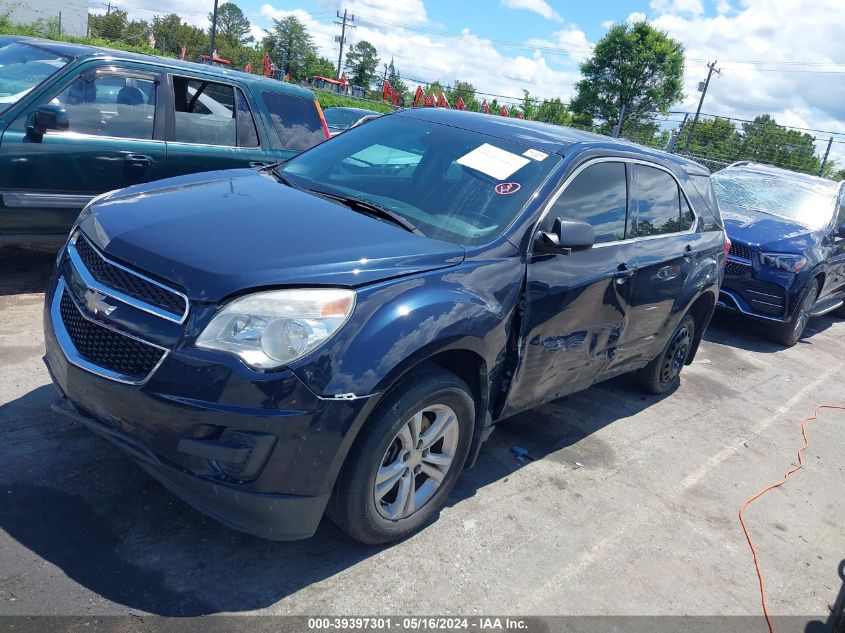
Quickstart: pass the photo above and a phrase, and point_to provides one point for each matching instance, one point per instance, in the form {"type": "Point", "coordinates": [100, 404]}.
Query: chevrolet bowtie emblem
{"type": "Point", "coordinates": [96, 303]}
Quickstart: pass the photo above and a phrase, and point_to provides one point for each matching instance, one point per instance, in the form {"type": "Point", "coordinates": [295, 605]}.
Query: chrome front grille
{"type": "Point", "coordinates": [91, 288]}
{"type": "Point", "coordinates": [736, 269]}
{"type": "Point", "coordinates": [740, 250]}
{"type": "Point", "coordinates": [123, 356]}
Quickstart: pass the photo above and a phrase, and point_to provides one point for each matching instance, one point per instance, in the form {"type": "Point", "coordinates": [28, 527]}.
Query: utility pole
{"type": "Point", "coordinates": [213, 33]}
{"type": "Point", "coordinates": [108, 8]}
{"type": "Point", "coordinates": [618, 129]}
{"type": "Point", "coordinates": [342, 37]}
{"type": "Point", "coordinates": [703, 88]}
{"type": "Point", "coordinates": [826, 154]}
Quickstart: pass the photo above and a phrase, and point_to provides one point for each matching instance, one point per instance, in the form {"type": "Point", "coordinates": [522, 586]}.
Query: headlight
{"type": "Point", "coordinates": [270, 329]}
{"type": "Point", "coordinates": [784, 261]}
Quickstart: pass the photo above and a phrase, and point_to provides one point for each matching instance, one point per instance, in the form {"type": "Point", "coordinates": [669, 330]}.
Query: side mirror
{"type": "Point", "coordinates": [840, 232]}
{"type": "Point", "coordinates": [47, 117]}
{"type": "Point", "coordinates": [565, 236]}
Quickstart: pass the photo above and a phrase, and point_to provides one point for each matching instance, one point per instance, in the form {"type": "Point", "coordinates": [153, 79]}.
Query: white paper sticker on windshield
{"type": "Point", "coordinates": [534, 154]}
{"type": "Point", "coordinates": [493, 161]}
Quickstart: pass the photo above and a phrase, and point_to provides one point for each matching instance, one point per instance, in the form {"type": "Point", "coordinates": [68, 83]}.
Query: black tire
{"type": "Point", "coordinates": [353, 506]}
{"type": "Point", "coordinates": [663, 374]}
{"type": "Point", "coordinates": [790, 332]}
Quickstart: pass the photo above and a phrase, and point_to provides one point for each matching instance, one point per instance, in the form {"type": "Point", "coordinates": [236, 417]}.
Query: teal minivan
{"type": "Point", "coordinates": [77, 121]}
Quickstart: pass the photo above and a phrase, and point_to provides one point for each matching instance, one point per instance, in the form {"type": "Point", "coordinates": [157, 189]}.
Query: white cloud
{"type": "Point", "coordinates": [426, 56]}
{"type": "Point", "coordinates": [723, 6]}
{"type": "Point", "coordinates": [769, 31]}
{"type": "Point", "coordinates": [693, 7]}
{"type": "Point", "coordinates": [540, 7]}
{"type": "Point", "coordinates": [570, 39]}
{"type": "Point", "coordinates": [636, 16]}
{"type": "Point", "coordinates": [404, 11]}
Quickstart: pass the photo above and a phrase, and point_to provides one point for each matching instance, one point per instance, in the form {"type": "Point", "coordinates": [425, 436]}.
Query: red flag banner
{"type": "Point", "coordinates": [268, 68]}
{"type": "Point", "coordinates": [460, 105]}
{"type": "Point", "coordinates": [389, 94]}
{"type": "Point", "coordinates": [442, 102]}
{"type": "Point", "coordinates": [503, 111]}
{"type": "Point", "coordinates": [484, 107]}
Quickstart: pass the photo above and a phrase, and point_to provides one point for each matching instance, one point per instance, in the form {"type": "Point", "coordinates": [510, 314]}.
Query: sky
{"type": "Point", "coordinates": [782, 57]}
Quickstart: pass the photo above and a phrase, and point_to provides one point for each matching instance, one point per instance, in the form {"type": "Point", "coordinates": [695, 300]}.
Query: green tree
{"type": "Point", "coordinates": [633, 66]}
{"type": "Point", "coordinates": [712, 138]}
{"type": "Point", "coordinates": [110, 25]}
{"type": "Point", "coordinates": [839, 175]}
{"type": "Point", "coordinates": [321, 66]}
{"type": "Point", "coordinates": [553, 111]}
{"type": "Point", "coordinates": [466, 91]}
{"type": "Point", "coordinates": [395, 79]}
{"type": "Point", "coordinates": [289, 42]}
{"type": "Point", "coordinates": [361, 64]}
{"type": "Point", "coordinates": [171, 35]}
{"type": "Point", "coordinates": [767, 142]}
{"type": "Point", "coordinates": [232, 23]}
{"type": "Point", "coordinates": [529, 105]}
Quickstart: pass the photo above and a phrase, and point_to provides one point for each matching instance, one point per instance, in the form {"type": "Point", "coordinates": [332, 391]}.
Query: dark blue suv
{"type": "Point", "coordinates": [341, 333]}
{"type": "Point", "coordinates": [787, 255]}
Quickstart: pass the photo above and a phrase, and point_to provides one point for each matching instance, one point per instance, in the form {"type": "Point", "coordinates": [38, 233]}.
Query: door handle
{"type": "Point", "coordinates": [258, 163]}
{"type": "Point", "coordinates": [689, 251]}
{"type": "Point", "coordinates": [140, 160]}
{"type": "Point", "coordinates": [624, 272]}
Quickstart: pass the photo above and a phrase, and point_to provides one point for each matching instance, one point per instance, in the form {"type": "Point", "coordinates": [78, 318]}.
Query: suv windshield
{"type": "Point", "coordinates": [452, 184]}
{"type": "Point", "coordinates": [341, 118]}
{"type": "Point", "coordinates": [807, 203]}
{"type": "Point", "coordinates": [22, 67]}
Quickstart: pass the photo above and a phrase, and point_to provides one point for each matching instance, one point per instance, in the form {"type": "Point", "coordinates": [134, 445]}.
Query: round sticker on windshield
{"type": "Point", "coordinates": [507, 188]}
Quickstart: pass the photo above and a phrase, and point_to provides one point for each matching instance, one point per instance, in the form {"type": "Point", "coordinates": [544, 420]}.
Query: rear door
{"type": "Point", "coordinates": [115, 139]}
{"type": "Point", "coordinates": [836, 283]}
{"type": "Point", "coordinates": [212, 126]}
{"type": "Point", "coordinates": [662, 222]}
{"type": "Point", "coordinates": [576, 306]}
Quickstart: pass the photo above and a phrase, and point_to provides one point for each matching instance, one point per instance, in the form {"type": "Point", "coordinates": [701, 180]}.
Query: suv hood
{"type": "Point", "coordinates": [214, 234]}
{"type": "Point", "coordinates": [765, 231]}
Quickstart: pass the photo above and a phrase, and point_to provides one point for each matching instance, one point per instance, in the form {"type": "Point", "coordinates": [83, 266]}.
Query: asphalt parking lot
{"type": "Point", "coordinates": [628, 505]}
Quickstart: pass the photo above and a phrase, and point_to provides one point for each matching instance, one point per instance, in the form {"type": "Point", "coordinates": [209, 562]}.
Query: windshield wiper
{"type": "Point", "coordinates": [369, 208]}
{"type": "Point", "coordinates": [282, 177]}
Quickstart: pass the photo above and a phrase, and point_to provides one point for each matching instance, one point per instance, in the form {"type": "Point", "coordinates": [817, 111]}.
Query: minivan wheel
{"type": "Point", "coordinates": [406, 459]}
{"type": "Point", "coordinates": [663, 373]}
{"type": "Point", "coordinates": [790, 332]}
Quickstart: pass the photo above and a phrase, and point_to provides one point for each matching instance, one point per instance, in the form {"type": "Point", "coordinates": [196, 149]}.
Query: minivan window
{"type": "Point", "coordinates": [658, 209]}
{"type": "Point", "coordinates": [114, 103]}
{"type": "Point", "coordinates": [295, 119]}
{"type": "Point", "coordinates": [22, 68]}
{"type": "Point", "coordinates": [206, 113]}
{"type": "Point", "coordinates": [452, 184]}
{"type": "Point", "coordinates": [598, 196]}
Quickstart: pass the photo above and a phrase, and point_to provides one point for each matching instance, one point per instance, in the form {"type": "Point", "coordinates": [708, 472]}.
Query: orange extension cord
{"type": "Point", "coordinates": [748, 502]}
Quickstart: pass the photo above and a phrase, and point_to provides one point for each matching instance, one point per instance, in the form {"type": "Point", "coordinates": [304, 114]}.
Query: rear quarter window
{"type": "Point", "coordinates": [703, 197]}
{"type": "Point", "coordinates": [295, 119]}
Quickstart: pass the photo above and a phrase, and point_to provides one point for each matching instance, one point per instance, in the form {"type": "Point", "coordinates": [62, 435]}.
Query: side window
{"type": "Point", "coordinates": [114, 103]}
{"type": "Point", "coordinates": [598, 195]}
{"type": "Point", "coordinates": [295, 119]}
{"type": "Point", "coordinates": [657, 203]}
{"type": "Point", "coordinates": [210, 113]}
{"type": "Point", "coordinates": [840, 218]}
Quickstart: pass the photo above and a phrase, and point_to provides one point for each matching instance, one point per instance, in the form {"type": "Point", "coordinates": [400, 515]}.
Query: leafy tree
{"type": "Point", "coordinates": [290, 42]}
{"type": "Point", "coordinates": [529, 105]}
{"type": "Point", "coordinates": [553, 111]}
{"type": "Point", "coordinates": [361, 64]}
{"type": "Point", "coordinates": [465, 91]}
{"type": "Point", "coordinates": [321, 66]}
{"type": "Point", "coordinates": [395, 79]}
{"type": "Point", "coordinates": [839, 175]}
{"type": "Point", "coordinates": [232, 23]}
{"type": "Point", "coordinates": [110, 26]}
{"type": "Point", "coordinates": [712, 138]}
{"type": "Point", "coordinates": [767, 142]}
{"type": "Point", "coordinates": [171, 34]}
{"type": "Point", "coordinates": [635, 66]}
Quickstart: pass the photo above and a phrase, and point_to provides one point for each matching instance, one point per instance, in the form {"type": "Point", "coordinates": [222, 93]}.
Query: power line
{"type": "Point", "coordinates": [342, 37]}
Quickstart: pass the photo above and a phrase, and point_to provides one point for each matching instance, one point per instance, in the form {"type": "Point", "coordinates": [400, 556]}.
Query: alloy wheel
{"type": "Point", "coordinates": [416, 462]}
{"type": "Point", "coordinates": [804, 311]}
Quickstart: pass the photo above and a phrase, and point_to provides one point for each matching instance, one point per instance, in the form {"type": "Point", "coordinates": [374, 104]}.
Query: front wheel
{"type": "Point", "coordinates": [406, 459]}
{"type": "Point", "coordinates": [790, 332]}
{"type": "Point", "coordinates": [663, 373]}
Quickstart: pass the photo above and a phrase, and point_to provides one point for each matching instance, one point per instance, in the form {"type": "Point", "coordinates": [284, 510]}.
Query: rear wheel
{"type": "Point", "coordinates": [790, 332]}
{"type": "Point", "coordinates": [663, 373]}
{"type": "Point", "coordinates": [406, 460]}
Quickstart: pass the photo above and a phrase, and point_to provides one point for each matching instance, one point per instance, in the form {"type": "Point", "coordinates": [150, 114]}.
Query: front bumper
{"type": "Point", "coordinates": [196, 398]}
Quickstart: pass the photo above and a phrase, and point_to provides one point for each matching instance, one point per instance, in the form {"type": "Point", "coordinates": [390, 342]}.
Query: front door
{"type": "Point", "coordinates": [576, 306]}
{"type": "Point", "coordinates": [115, 139]}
